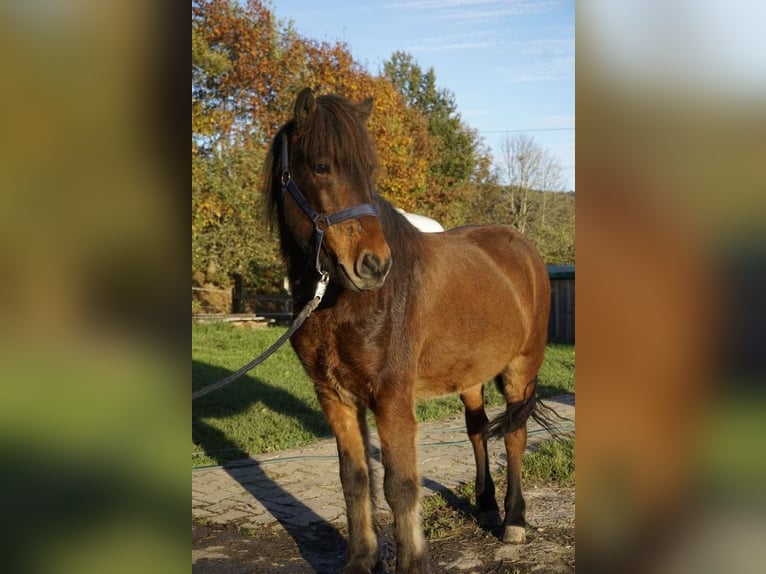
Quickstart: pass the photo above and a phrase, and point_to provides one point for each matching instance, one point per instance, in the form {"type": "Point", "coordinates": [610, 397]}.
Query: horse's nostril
{"type": "Point", "coordinates": [371, 266]}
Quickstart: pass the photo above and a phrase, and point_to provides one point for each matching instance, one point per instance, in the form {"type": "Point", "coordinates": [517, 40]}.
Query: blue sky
{"type": "Point", "coordinates": [509, 63]}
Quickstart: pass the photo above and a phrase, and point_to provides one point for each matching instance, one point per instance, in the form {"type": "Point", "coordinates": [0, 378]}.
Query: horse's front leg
{"type": "Point", "coordinates": [349, 425]}
{"type": "Point", "coordinates": [397, 429]}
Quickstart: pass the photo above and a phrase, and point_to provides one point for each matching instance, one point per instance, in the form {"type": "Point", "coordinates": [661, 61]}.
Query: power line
{"type": "Point", "coordinates": [529, 130]}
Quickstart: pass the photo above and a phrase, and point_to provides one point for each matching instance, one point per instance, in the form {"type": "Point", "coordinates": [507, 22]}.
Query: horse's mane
{"type": "Point", "coordinates": [402, 236]}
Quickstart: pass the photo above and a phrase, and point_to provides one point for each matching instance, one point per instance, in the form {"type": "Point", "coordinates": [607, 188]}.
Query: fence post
{"type": "Point", "coordinates": [237, 295]}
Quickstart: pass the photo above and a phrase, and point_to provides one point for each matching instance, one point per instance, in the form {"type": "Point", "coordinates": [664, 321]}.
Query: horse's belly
{"type": "Point", "coordinates": [449, 370]}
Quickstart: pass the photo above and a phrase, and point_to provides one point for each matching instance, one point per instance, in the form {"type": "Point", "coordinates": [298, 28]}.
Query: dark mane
{"type": "Point", "coordinates": [402, 236]}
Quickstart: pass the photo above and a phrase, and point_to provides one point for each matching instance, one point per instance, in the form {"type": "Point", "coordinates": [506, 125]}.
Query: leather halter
{"type": "Point", "coordinates": [320, 221]}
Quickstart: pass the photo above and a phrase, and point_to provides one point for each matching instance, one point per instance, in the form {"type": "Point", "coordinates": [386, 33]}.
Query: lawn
{"type": "Point", "coordinates": [274, 407]}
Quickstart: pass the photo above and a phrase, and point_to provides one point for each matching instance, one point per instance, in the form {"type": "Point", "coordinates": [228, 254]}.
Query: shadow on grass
{"type": "Point", "coordinates": [320, 544]}
{"type": "Point", "coordinates": [461, 505]}
{"type": "Point", "coordinates": [237, 398]}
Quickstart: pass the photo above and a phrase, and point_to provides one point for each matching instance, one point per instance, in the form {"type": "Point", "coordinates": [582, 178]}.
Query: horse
{"type": "Point", "coordinates": [406, 315]}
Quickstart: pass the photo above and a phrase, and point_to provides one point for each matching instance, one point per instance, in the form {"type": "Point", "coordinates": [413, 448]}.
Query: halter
{"type": "Point", "coordinates": [320, 221]}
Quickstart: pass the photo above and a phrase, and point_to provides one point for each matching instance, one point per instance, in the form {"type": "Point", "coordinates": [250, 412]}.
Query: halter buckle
{"type": "Point", "coordinates": [324, 280]}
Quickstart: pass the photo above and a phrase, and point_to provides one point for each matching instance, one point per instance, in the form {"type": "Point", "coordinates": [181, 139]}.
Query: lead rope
{"type": "Point", "coordinates": [294, 326]}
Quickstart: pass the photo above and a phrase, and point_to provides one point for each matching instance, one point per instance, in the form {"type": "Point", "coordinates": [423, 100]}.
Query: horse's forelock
{"type": "Point", "coordinates": [336, 129]}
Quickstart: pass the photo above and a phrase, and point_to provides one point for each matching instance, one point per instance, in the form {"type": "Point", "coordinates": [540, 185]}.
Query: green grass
{"type": "Point", "coordinates": [552, 461]}
{"type": "Point", "coordinates": [450, 513]}
{"type": "Point", "coordinates": [274, 407]}
{"type": "Point", "coordinates": [271, 408]}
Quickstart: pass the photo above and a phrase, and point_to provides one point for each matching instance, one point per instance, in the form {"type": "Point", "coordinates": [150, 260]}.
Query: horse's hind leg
{"type": "Point", "coordinates": [350, 427]}
{"type": "Point", "coordinates": [518, 386]}
{"type": "Point", "coordinates": [476, 423]}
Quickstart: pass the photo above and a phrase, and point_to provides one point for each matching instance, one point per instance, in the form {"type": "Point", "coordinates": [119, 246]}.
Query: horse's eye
{"type": "Point", "coordinates": [322, 168]}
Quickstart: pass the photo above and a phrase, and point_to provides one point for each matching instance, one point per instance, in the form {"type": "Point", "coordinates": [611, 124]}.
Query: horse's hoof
{"type": "Point", "coordinates": [489, 519]}
{"type": "Point", "coordinates": [515, 535]}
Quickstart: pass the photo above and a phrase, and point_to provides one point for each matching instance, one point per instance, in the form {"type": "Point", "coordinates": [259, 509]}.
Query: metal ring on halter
{"type": "Point", "coordinates": [321, 224]}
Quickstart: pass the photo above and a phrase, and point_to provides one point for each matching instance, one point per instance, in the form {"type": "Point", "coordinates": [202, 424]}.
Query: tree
{"type": "Point", "coordinates": [528, 167]}
{"type": "Point", "coordinates": [460, 159]}
{"type": "Point", "coordinates": [456, 145]}
{"type": "Point", "coordinates": [236, 54]}
{"type": "Point", "coordinates": [531, 200]}
{"type": "Point", "coordinates": [555, 237]}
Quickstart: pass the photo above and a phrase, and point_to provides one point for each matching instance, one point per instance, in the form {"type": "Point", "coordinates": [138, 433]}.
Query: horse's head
{"type": "Point", "coordinates": [327, 158]}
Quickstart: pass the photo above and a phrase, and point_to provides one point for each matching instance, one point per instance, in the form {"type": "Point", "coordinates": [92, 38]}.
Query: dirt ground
{"type": "Point", "coordinates": [456, 542]}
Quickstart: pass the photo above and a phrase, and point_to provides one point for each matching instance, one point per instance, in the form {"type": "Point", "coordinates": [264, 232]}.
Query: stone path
{"type": "Point", "coordinates": [296, 488]}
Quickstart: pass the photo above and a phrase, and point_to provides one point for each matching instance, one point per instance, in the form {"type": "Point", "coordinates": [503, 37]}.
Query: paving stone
{"type": "Point", "coordinates": [232, 517]}
{"type": "Point", "coordinates": [209, 485]}
{"type": "Point", "coordinates": [201, 513]}
{"type": "Point", "coordinates": [301, 486]}
{"type": "Point", "coordinates": [259, 521]}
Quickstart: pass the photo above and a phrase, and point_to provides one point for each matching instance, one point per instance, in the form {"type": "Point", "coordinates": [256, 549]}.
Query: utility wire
{"type": "Point", "coordinates": [528, 130]}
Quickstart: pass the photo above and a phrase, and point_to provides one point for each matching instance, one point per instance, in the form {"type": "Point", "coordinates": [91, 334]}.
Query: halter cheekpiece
{"type": "Point", "coordinates": [320, 221]}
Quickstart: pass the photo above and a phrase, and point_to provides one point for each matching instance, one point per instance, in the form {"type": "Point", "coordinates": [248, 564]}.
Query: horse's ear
{"type": "Point", "coordinates": [365, 108]}
{"type": "Point", "coordinates": [304, 106]}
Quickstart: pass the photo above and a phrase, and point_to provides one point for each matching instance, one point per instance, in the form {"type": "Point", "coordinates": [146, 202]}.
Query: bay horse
{"type": "Point", "coordinates": [407, 315]}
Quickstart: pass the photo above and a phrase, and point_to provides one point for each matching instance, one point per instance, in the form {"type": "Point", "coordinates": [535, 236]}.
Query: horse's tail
{"type": "Point", "coordinates": [517, 413]}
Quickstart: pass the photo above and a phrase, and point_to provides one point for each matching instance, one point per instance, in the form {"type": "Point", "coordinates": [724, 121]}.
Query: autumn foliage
{"type": "Point", "coordinates": [246, 71]}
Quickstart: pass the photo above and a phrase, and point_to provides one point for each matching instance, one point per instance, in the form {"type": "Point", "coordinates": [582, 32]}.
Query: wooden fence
{"type": "Point", "coordinates": [561, 324]}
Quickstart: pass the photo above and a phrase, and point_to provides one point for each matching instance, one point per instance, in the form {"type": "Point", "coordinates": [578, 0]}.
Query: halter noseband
{"type": "Point", "coordinates": [320, 221]}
